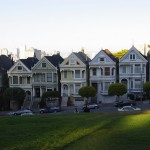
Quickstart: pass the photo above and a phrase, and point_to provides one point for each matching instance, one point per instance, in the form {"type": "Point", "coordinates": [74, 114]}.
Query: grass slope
{"type": "Point", "coordinates": [91, 131]}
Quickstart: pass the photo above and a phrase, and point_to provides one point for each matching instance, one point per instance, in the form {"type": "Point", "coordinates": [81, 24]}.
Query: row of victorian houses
{"type": "Point", "coordinates": [53, 73]}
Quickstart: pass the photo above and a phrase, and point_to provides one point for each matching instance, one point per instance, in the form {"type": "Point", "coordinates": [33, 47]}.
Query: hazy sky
{"type": "Point", "coordinates": [69, 25]}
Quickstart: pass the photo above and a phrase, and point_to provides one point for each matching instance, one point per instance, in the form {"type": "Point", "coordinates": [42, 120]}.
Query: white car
{"type": "Point", "coordinates": [91, 106]}
{"type": "Point", "coordinates": [27, 114]}
{"type": "Point", "coordinates": [128, 108]}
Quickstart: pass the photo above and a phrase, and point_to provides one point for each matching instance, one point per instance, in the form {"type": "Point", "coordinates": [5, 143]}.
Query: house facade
{"type": "Point", "coordinates": [45, 76]}
{"type": "Point", "coordinates": [132, 71]}
{"type": "Point", "coordinates": [20, 75]}
{"type": "Point", "coordinates": [103, 72]}
{"type": "Point", "coordinates": [73, 76]}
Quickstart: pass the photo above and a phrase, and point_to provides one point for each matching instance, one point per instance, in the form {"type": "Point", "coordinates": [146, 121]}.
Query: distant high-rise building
{"type": "Point", "coordinates": [4, 51]}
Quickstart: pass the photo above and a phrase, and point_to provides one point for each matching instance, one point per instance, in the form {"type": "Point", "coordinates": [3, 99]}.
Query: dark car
{"type": "Point", "coordinates": [125, 103]}
{"type": "Point", "coordinates": [49, 110]}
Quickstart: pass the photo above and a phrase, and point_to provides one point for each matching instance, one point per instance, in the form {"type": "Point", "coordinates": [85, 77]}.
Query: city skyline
{"type": "Point", "coordinates": [69, 25]}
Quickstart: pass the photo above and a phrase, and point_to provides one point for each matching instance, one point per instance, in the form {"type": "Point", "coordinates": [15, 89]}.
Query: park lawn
{"type": "Point", "coordinates": [83, 131]}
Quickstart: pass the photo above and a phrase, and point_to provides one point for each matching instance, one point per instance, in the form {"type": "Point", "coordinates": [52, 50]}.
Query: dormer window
{"type": "Point", "coordinates": [132, 56]}
{"type": "Point", "coordinates": [43, 65]}
{"type": "Point", "coordinates": [19, 67]}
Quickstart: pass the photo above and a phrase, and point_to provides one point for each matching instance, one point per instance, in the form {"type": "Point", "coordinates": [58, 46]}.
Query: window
{"type": "Point", "coordinates": [77, 73]}
{"type": "Point", "coordinates": [37, 92]}
{"type": "Point", "coordinates": [72, 62]}
{"type": "Point", "coordinates": [106, 86]}
{"type": "Point", "coordinates": [55, 77]}
{"type": "Point", "coordinates": [107, 71]}
{"type": "Point", "coordinates": [19, 67]}
{"type": "Point", "coordinates": [137, 68]}
{"type": "Point", "coordinates": [65, 74]}
{"type": "Point", "coordinates": [20, 80]}
{"type": "Point", "coordinates": [137, 83]}
{"type": "Point", "coordinates": [77, 87]}
{"type": "Point", "coordinates": [102, 59]}
{"type": "Point", "coordinates": [49, 77]}
{"type": "Point", "coordinates": [37, 78]}
{"type": "Point", "coordinates": [43, 65]}
{"type": "Point", "coordinates": [94, 71]}
{"type": "Point", "coordinates": [113, 71]}
{"type": "Point", "coordinates": [15, 79]}
{"type": "Point", "coordinates": [101, 71]}
{"type": "Point", "coordinates": [43, 77]}
{"type": "Point", "coordinates": [28, 80]}
{"type": "Point", "coordinates": [123, 69]}
{"type": "Point", "coordinates": [132, 56]}
{"type": "Point", "coordinates": [131, 68]}
{"type": "Point", "coordinates": [83, 73]}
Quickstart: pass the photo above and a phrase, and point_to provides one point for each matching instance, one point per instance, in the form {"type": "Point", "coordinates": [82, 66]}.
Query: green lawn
{"type": "Point", "coordinates": [84, 131]}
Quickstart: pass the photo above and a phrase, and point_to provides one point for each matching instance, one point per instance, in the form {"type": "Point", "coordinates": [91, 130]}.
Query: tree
{"type": "Point", "coordinates": [87, 91]}
{"type": "Point", "coordinates": [117, 89]}
{"type": "Point", "coordinates": [120, 53]}
{"type": "Point", "coordinates": [5, 85]}
{"type": "Point", "coordinates": [13, 94]}
{"type": "Point", "coordinates": [146, 87]}
{"type": "Point", "coordinates": [48, 96]}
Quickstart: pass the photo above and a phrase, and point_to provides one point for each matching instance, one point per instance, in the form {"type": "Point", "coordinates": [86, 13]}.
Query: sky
{"type": "Point", "coordinates": [69, 25]}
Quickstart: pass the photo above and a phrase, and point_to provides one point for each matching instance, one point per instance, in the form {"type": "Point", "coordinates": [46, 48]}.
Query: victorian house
{"type": "Point", "coordinates": [74, 75]}
{"type": "Point", "coordinates": [132, 71]}
{"type": "Point", "coordinates": [103, 72]}
{"type": "Point", "coordinates": [45, 76]}
{"type": "Point", "coordinates": [20, 75]}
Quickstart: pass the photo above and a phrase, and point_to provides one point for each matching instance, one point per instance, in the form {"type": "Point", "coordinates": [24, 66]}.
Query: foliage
{"type": "Point", "coordinates": [49, 95]}
{"type": "Point", "coordinates": [120, 53]}
{"type": "Point", "coordinates": [5, 81]}
{"type": "Point", "coordinates": [117, 89]}
{"type": "Point", "coordinates": [146, 87]}
{"type": "Point", "coordinates": [5, 85]}
{"type": "Point", "coordinates": [94, 131]}
{"type": "Point", "coordinates": [13, 94]}
{"type": "Point", "coordinates": [87, 91]}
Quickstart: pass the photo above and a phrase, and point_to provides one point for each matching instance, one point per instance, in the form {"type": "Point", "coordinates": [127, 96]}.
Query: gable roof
{"type": "Point", "coordinates": [135, 49]}
{"type": "Point", "coordinates": [82, 56]}
{"type": "Point", "coordinates": [29, 62]}
{"type": "Point", "coordinates": [5, 63]}
{"type": "Point", "coordinates": [55, 59]}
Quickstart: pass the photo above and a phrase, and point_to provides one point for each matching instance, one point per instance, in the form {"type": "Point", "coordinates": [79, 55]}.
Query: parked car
{"type": "Point", "coordinates": [49, 110]}
{"type": "Point", "coordinates": [27, 114]}
{"type": "Point", "coordinates": [21, 112]}
{"type": "Point", "coordinates": [91, 106]}
{"type": "Point", "coordinates": [125, 103]}
{"type": "Point", "coordinates": [128, 108]}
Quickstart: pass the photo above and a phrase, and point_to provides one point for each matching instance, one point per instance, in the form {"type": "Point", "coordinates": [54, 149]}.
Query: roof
{"type": "Point", "coordinates": [29, 62]}
{"type": "Point", "coordinates": [110, 54]}
{"type": "Point", "coordinates": [5, 63]}
{"type": "Point", "coordinates": [55, 59]}
{"type": "Point", "coordinates": [82, 56]}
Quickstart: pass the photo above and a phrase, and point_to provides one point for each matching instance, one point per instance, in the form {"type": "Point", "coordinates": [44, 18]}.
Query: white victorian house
{"type": "Point", "coordinates": [73, 76]}
{"type": "Point", "coordinates": [45, 77]}
{"type": "Point", "coordinates": [132, 71]}
{"type": "Point", "coordinates": [103, 73]}
{"type": "Point", "coordinates": [20, 75]}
